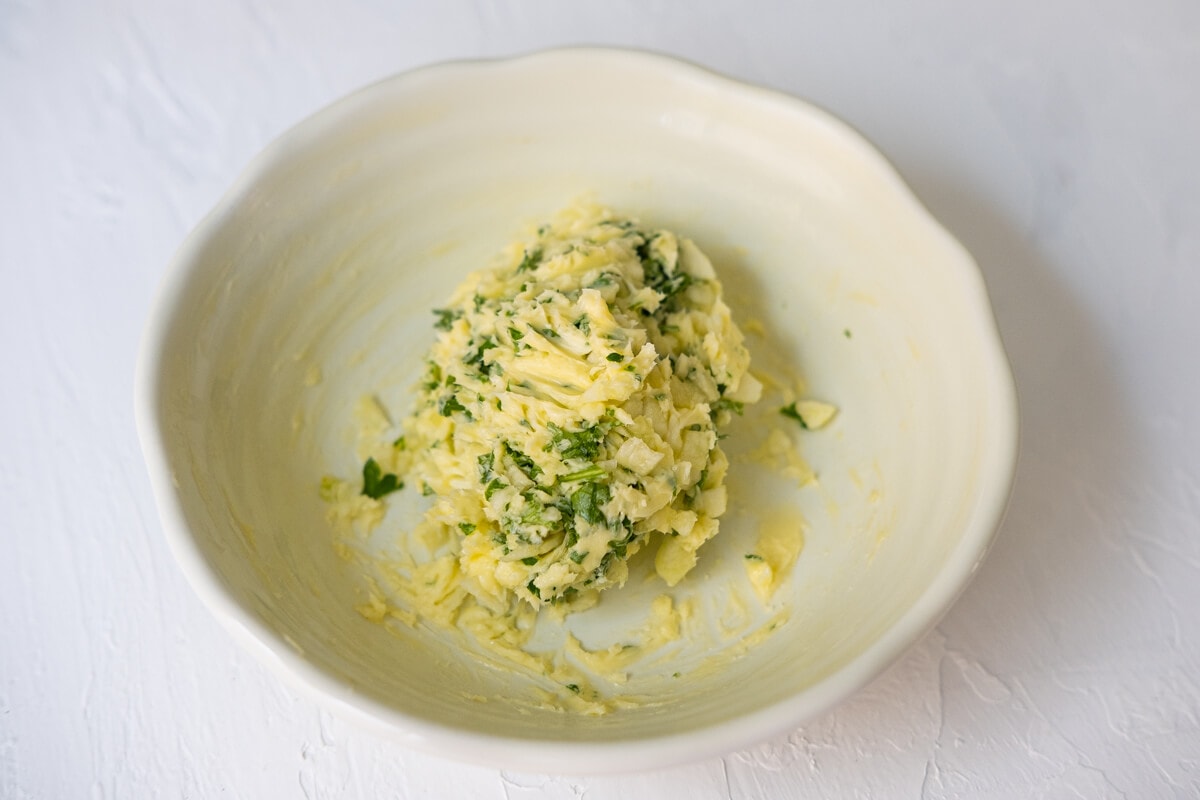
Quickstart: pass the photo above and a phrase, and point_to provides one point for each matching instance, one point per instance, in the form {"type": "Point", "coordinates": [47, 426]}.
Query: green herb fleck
{"type": "Point", "coordinates": [586, 502]}
{"type": "Point", "coordinates": [493, 487]}
{"type": "Point", "coordinates": [486, 463]}
{"type": "Point", "coordinates": [377, 483]}
{"type": "Point", "coordinates": [590, 474]}
{"type": "Point", "coordinates": [690, 496]}
{"type": "Point", "coordinates": [435, 377]}
{"type": "Point", "coordinates": [617, 546]}
{"type": "Point", "coordinates": [791, 412]}
{"type": "Point", "coordinates": [846, 333]}
{"type": "Point", "coordinates": [531, 260]}
{"type": "Point", "coordinates": [449, 404]}
{"type": "Point", "coordinates": [466, 527]}
{"type": "Point", "coordinates": [573, 687]}
{"type": "Point", "coordinates": [616, 335]}
{"type": "Point", "coordinates": [446, 317]}
{"type": "Point", "coordinates": [583, 444]}
{"type": "Point", "coordinates": [533, 590]}
{"type": "Point", "coordinates": [725, 404]}
{"type": "Point", "coordinates": [474, 357]}
{"type": "Point", "coordinates": [530, 561]}
{"type": "Point", "coordinates": [617, 357]}
{"type": "Point", "coordinates": [753, 557]}
{"type": "Point", "coordinates": [532, 516]}
{"type": "Point", "coordinates": [668, 280]}
{"type": "Point", "coordinates": [523, 462]}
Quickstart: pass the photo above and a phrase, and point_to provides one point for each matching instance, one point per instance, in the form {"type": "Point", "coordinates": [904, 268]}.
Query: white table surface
{"type": "Point", "coordinates": [1059, 141]}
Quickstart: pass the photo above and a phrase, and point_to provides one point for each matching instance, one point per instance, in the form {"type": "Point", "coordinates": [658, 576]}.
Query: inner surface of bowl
{"type": "Point", "coordinates": [313, 282]}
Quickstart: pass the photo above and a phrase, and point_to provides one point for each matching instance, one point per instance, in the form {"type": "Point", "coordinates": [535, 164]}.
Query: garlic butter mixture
{"type": "Point", "coordinates": [570, 409]}
{"type": "Point", "coordinates": [570, 415]}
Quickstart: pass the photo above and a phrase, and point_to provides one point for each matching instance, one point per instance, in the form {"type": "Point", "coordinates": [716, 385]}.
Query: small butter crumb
{"type": "Point", "coordinates": [816, 414]}
{"type": "Point", "coordinates": [780, 540]}
{"type": "Point", "coordinates": [779, 452]}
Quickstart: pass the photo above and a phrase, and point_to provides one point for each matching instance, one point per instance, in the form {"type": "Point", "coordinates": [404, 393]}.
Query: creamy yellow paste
{"type": "Point", "coordinates": [569, 416]}
{"type": "Point", "coordinates": [570, 409]}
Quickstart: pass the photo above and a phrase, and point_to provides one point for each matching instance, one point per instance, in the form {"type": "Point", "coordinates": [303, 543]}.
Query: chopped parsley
{"type": "Point", "coordinates": [376, 482]}
{"type": "Point", "coordinates": [474, 357]}
{"type": "Point", "coordinates": [586, 502]}
{"type": "Point", "coordinates": [522, 462]}
{"type": "Point", "coordinates": [668, 280]}
{"type": "Point", "coordinates": [618, 546]}
{"type": "Point", "coordinates": [531, 260]}
{"type": "Point", "coordinates": [486, 463]}
{"type": "Point", "coordinates": [446, 317]}
{"type": "Point", "coordinates": [582, 444]}
{"type": "Point", "coordinates": [534, 515]}
{"type": "Point", "coordinates": [590, 474]}
{"type": "Point", "coordinates": [434, 379]}
{"type": "Point", "coordinates": [449, 404]}
{"type": "Point", "coordinates": [790, 412]}
{"type": "Point", "coordinates": [724, 404]}
{"type": "Point", "coordinates": [493, 487]}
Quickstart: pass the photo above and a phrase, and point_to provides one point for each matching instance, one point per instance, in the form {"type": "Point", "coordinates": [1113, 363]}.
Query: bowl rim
{"type": "Point", "coordinates": [545, 755]}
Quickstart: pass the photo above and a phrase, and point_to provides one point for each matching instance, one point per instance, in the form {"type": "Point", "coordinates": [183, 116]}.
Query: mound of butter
{"type": "Point", "coordinates": [570, 409]}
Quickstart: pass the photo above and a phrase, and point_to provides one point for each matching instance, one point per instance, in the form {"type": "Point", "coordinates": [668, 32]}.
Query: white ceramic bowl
{"type": "Point", "coordinates": [329, 252]}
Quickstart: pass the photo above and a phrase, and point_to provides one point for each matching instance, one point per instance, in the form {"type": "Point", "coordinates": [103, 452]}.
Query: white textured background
{"type": "Point", "coordinates": [1059, 141]}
